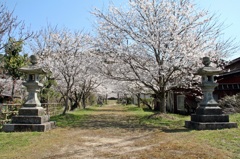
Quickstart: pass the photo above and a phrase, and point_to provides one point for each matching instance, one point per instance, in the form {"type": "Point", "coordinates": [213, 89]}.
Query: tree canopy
{"type": "Point", "coordinates": [151, 46]}
{"type": "Point", "coordinates": [158, 44]}
{"type": "Point", "coordinates": [13, 60]}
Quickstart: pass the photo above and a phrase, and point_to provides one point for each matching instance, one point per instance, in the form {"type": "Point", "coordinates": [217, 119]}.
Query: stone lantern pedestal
{"type": "Point", "coordinates": [31, 117]}
{"type": "Point", "coordinates": [209, 115]}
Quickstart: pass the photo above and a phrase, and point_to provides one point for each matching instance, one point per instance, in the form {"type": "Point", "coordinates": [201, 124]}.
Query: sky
{"type": "Point", "coordinates": [75, 14]}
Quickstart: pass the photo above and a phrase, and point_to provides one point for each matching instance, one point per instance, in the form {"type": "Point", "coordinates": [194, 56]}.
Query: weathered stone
{"type": "Point", "coordinates": [209, 125]}
{"type": "Point", "coordinates": [30, 119]}
{"type": "Point", "coordinates": [31, 116]}
{"type": "Point", "coordinates": [209, 111]}
{"type": "Point", "coordinates": [35, 111]}
{"type": "Point", "coordinates": [209, 116]}
{"type": "Point", "coordinates": [29, 127]}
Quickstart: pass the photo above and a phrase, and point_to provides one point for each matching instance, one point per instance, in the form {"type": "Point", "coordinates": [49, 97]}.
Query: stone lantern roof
{"type": "Point", "coordinates": [33, 68]}
{"type": "Point", "coordinates": [207, 69]}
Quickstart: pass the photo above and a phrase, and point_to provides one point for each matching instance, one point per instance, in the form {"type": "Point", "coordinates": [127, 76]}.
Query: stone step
{"type": "Point", "coordinates": [29, 127]}
{"type": "Point", "coordinates": [30, 119]}
{"type": "Point", "coordinates": [27, 111]}
{"type": "Point", "coordinates": [210, 118]}
{"type": "Point", "coordinates": [209, 125]}
{"type": "Point", "coordinates": [209, 111]}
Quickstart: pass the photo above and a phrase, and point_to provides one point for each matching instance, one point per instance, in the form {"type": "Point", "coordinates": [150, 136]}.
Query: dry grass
{"type": "Point", "coordinates": [114, 132]}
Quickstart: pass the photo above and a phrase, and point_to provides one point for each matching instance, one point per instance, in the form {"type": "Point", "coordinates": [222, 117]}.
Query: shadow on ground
{"type": "Point", "coordinates": [112, 118]}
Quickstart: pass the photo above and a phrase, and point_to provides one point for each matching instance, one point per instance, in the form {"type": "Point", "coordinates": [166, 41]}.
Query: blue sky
{"type": "Point", "coordinates": [75, 14]}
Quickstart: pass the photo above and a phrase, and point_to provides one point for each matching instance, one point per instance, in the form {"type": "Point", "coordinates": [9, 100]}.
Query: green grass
{"type": "Point", "coordinates": [133, 108]}
{"type": "Point", "coordinates": [15, 141]}
{"type": "Point", "coordinates": [235, 118]}
{"type": "Point", "coordinates": [226, 139]}
{"type": "Point", "coordinates": [165, 121]}
{"type": "Point", "coordinates": [145, 117]}
{"type": "Point", "coordinates": [171, 122]}
{"type": "Point", "coordinates": [162, 121]}
{"type": "Point", "coordinates": [72, 119]}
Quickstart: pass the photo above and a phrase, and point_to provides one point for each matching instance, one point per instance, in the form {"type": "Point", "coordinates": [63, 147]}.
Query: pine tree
{"type": "Point", "coordinates": [13, 60]}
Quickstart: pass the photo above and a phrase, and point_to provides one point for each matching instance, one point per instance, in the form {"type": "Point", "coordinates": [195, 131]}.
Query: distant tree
{"type": "Point", "coordinates": [66, 54]}
{"type": "Point", "coordinates": [158, 44]}
{"type": "Point", "coordinates": [48, 93]}
{"type": "Point", "coordinates": [13, 60]}
{"type": "Point", "coordinates": [86, 87]}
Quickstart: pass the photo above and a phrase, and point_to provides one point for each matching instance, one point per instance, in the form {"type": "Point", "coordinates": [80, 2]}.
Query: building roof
{"type": "Point", "coordinates": [234, 64]}
{"type": "Point", "coordinates": [231, 71]}
{"type": "Point", "coordinates": [234, 61]}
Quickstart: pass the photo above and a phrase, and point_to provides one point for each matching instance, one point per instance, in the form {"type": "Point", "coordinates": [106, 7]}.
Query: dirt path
{"type": "Point", "coordinates": [112, 132]}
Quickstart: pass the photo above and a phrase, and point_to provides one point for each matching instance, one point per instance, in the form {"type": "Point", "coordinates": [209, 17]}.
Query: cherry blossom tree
{"type": "Point", "coordinates": [158, 44]}
{"type": "Point", "coordinates": [6, 87]}
{"type": "Point", "coordinates": [67, 55]}
{"type": "Point", "coordinates": [88, 81]}
{"type": "Point", "coordinates": [62, 52]}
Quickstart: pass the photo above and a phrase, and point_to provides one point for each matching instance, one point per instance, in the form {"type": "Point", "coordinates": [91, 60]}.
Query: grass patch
{"type": "Point", "coordinates": [226, 139]}
{"type": "Point", "coordinates": [145, 118]}
{"type": "Point", "coordinates": [133, 108]}
{"type": "Point", "coordinates": [73, 119]}
{"type": "Point", "coordinates": [117, 120]}
{"type": "Point", "coordinates": [16, 141]}
{"type": "Point", "coordinates": [165, 121]}
{"type": "Point", "coordinates": [235, 118]}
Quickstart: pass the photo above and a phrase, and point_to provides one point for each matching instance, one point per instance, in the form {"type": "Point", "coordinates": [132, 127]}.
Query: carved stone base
{"type": "Point", "coordinates": [209, 125]}
{"type": "Point", "coordinates": [32, 111]}
{"type": "Point", "coordinates": [29, 127]}
{"type": "Point", "coordinates": [30, 119]}
{"type": "Point", "coordinates": [209, 118]}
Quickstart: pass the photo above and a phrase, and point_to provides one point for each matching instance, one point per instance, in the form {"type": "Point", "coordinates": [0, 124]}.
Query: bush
{"type": "Point", "coordinates": [230, 104]}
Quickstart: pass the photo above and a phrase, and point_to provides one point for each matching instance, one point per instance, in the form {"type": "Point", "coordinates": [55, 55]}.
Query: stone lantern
{"type": "Point", "coordinates": [209, 115]}
{"type": "Point", "coordinates": [31, 117]}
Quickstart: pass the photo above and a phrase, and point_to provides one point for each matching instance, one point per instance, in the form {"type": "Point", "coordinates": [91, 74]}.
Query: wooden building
{"type": "Point", "coordinates": [229, 82]}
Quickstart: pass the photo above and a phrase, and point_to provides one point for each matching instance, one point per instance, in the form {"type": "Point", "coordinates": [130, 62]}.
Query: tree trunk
{"type": "Point", "coordinates": [66, 106]}
{"type": "Point", "coordinates": [138, 100]}
{"type": "Point", "coordinates": [106, 99]}
{"type": "Point", "coordinates": [163, 107]}
{"type": "Point", "coordinates": [74, 106]}
{"type": "Point", "coordinates": [118, 98]}
{"type": "Point", "coordinates": [156, 104]}
{"type": "Point", "coordinates": [160, 102]}
{"type": "Point", "coordinates": [83, 101]}
{"type": "Point", "coordinates": [13, 88]}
